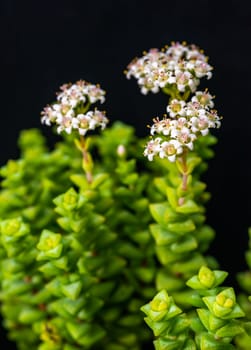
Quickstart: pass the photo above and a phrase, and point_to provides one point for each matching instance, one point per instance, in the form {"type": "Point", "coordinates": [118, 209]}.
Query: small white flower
{"type": "Point", "coordinates": [65, 125]}
{"type": "Point", "coordinates": [189, 121]}
{"type": "Point", "coordinates": [70, 113]}
{"type": "Point", "coordinates": [97, 118]}
{"type": "Point", "coordinates": [172, 158]}
{"type": "Point", "coordinates": [83, 123]}
{"type": "Point", "coordinates": [176, 50]}
{"type": "Point", "coordinates": [171, 79]}
{"type": "Point", "coordinates": [169, 149]}
{"type": "Point", "coordinates": [180, 64]}
{"type": "Point", "coordinates": [95, 94]}
{"type": "Point", "coordinates": [214, 119]}
{"type": "Point", "coordinates": [203, 98]}
{"type": "Point", "coordinates": [193, 109]}
{"type": "Point", "coordinates": [81, 91]}
{"type": "Point", "coordinates": [202, 69]}
{"type": "Point", "coordinates": [152, 148]}
{"type": "Point", "coordinates": [144, 90]}
{"type": "Point", "coordinates": [185, 79]}
{"type": "Point", "coordinates": [176, 107]}
{"type": "Point", "coordinates": [181, 122]}
{"type": "Point", "coordinates": [121, 150]}
{"type": "Point", "coordinates": [159, 126]}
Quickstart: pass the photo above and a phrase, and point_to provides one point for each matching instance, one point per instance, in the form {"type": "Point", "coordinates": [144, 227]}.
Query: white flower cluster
{"type": "Point", "coordinates": [178, 64]}
{"type": "Point", "coordinates": [70, 111]}
{"type": "Point", "coordinates": [188, 120]}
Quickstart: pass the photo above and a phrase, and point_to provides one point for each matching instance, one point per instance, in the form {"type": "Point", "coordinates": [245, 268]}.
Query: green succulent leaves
{"type": "Point", "coordinates": [223, 305]}
{"type": "Point", "coordinates": [49, 245]}
{"type": "Point", "coordinates": [207, 278]}
{"type": "Point", "coordinates": [86, 238]}
{"type": "Point", "coordinates": [165, 318]}
{"type": "Point", "coordinates": [214, 325]}
{"type": "Point", "coordinates": [77, 258]}
{"type": "Point", "coordinates": [14, 228]}
{"type": "Point", "coordinates": [162, 307]}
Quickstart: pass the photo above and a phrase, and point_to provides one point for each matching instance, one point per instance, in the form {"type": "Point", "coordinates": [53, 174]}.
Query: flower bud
{"type": "Point", "coordinates": [206, 277]}
{"type": "Point", "coordinates": [14, 227]}
{"type": "Point", "coordinates": [121, 151]}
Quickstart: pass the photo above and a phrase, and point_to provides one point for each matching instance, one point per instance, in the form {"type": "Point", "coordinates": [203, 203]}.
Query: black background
{"type": "Point", "coordinates": [45, 44]}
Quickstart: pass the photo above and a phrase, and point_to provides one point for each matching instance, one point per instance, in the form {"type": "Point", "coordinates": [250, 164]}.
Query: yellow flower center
{"type": "Point", "coordinates": [176, 107]}
{"type": "Point", "coordinates": [170, 149]}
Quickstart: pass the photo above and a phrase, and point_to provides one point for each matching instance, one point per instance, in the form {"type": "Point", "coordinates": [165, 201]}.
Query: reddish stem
{"type": "Point", "coordinates": [184, 174]}
{"type": "Point", "coordinates": [184, 178]}
{"type": "Point", "coordinates": [85, 158]}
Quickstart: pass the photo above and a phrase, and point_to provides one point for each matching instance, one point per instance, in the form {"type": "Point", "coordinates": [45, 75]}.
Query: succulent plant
{"type": "Point", "coordinates": [90, 231]}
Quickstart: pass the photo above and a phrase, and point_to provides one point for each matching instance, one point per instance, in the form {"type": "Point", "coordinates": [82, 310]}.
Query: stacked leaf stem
{"type": "Point", "coordinates": [181, 140]}
{"type": "Point", "coordinates": [214, 319]}
{"type": "Point", "coordinates": [77, 259]}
